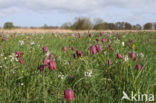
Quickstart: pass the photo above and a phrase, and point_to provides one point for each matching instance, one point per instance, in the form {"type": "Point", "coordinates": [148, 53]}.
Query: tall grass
{"type": "Point", "coordinates": [24, 83]}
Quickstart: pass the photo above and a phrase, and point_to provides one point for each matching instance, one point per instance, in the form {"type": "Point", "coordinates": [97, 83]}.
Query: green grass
{"type": "Point", "coordinates": [24, 83]}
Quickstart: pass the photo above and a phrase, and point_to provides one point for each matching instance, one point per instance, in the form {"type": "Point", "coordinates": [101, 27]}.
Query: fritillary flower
{"type": "Point", "coordinates": [119, 56]}
{"type": "Point", "coordinates": [93, 49]}
{"type": "Point", "coordinates": [45, 49]}
{"type": "Point", "coordinates": [68, 95]}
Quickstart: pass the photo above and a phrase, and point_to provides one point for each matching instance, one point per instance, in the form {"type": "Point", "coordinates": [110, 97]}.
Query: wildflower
{"type": "Point", "coordinates": [130, 41]}
{"type": "Point", "coordinates": [21, 61]}
{"type": "Point", "coordinates": [73, 35]}
{"type": "Point", "coordinates": [97, 39]}
{"type": "Point", "coordinates": [19, 54]}
{"type": "Point", "coordinates": [47, 53]}
{"type": "Point", "coordinates": [71, 78]}
{"type": "Point", "coordinates": [41, 67]}
{"type": "Point", "coordinates": [90, 35]}
{"type": "Point", "coordinates": [128, 44]}
{"type": "Point", "coordinates": [126, 58]}
{"type": "Point", "coordinates": [132, 55]}
{"type": "Point", "coordinates": [142, 55]}
{"type": "Point", "coordinates": [109, 47]}
{"type": "Point", "coordinates": [119, 56]}
{"type": "Point", "coordinates": [93, 49]}
{"type": "Point", "coordinates": [45, 49]}
{"type": "Point", "coordinates": [133, 46]}
{"type": "Point", "coordinates": [64, 48]}
{"type": "Point", "coordinates": [118, 38]}
{"type": "Point", "coordinates": [52, 65]}
{"type": "Point", "coordinates": [46, 62]}
{"type": "Point", "coordinates": [72, 48]}
{"type": "Point", "coordinates": [109, 62]}
{"type": "Point", "coordinates": [138, 67]}
{"type": "Point", "coordinates": [98, 48]}
{"type": "Point", "coordinates": [109, 40]}
{"type": "Point", "coordinates": [32, 43]}
{"type": "Point", "coordinates": [4, 39]}
{"type": "Point", "coordinates": [135, 59]}
{"type": "Point", "coordinates": [51, 56]}
{"type": "Point", "coordinates": [68, 95]}
{"type": "Point", "coordinates": [21, 42]}
{"type": "Point", "coordinates": [79, 53]}
{"type": "Point", "coordinates": [123, 43]}
{"type": "Point", "coordinates": [79, 35]}
{"type": "Point", "coordinates": [22, 84]}
{"type": "Point", "coordinates": [61, 76]}
{"type": "Point", "coordinates": [88, 73]}
{"type": "Point", "coordinates": [100, 34]}
{"type": "Point", "coordinates": [103, 40]}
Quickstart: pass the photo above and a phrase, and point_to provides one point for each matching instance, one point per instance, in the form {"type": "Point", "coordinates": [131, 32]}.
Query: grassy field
{"type": "Point", "coordinates": [96, 67]}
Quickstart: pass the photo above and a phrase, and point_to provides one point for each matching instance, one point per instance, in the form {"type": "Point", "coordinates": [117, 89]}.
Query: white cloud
{"type": "Point", "coordinates": [126, 10]}
{"type": "Point", "coordinates": [75, 5]}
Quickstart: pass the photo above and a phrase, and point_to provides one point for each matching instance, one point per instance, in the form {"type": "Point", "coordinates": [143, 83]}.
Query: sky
{"type": "Point", "coordinates": [56, 12]}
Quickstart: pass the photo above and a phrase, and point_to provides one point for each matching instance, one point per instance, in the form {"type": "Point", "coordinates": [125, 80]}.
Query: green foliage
{"type": "Point", "coordinates": [8, 25]}
{"type": "Point", "coordinates": [137, 27]}
{"type": "Point", "coordinates": [148, 26]}
{"type": "Point", "coordinates": [82, 24]}
{"type": "Point", "coordinates": [24, 83]}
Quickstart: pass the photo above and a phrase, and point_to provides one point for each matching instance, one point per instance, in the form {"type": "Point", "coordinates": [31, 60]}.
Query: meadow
{"type": "Point", "coordinates": [78, 68]}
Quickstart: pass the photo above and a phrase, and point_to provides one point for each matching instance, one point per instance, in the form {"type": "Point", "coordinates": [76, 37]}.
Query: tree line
{"type": "Point", "coordinates": [83, 23]}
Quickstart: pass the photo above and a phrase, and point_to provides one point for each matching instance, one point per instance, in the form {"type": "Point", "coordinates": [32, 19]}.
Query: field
{"type": "Point", "coordinates": [79, 68]}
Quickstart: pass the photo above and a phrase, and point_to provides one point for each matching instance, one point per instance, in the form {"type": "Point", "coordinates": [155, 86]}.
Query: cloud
{"type": "Point", "coordinates": [113, 10]}
{"type": "Point", "coordinates": [9, 11]}
{"type": "Point", "coordinates": [73, 5]}
{"type": "Point", "coordinates": [77, 6]}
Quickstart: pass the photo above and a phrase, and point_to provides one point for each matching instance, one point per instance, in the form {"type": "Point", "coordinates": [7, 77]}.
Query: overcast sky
{"type": "Point", "coordinates": [56, 12]}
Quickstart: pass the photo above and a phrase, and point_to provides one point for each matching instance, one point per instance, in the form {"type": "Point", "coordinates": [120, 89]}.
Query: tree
{"type": "Point", "coordinates": [8, 25]}
{"type": "Point", "coordinates": [66, 25]}
{"type": "Point", "coordinates": [119, 25]}
{"type": "Point", "coordinates": [154, 26]}
{"type": "Point", "coordinates": [111, 26]}
{"type": "Point", "coordinates": [45, 26]}
{"type": "Point", "coordinates": [82, 24]}
{"type": "Point", "coordinates": [128, 26]}
{"type": "Point", "coordinates": [137, 27]}
{"type": "Point", "coordinates": [148, 26]}
{"type": "Point", "coordinates": [101, 26]}
{"type": "Point", "coordinates": [98, 21]}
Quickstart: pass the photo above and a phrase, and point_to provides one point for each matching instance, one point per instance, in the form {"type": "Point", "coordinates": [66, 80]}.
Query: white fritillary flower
{"type": "Point", "coordinates": [21, 42]}
{"type": "Point", "coordinates": [48, 53]}
{"type": "Point", "coordinates": [142, 55]}
{"type": "Point", "coordinates": [88, 73]}
{"type": "Point", "coordinates": [61, 76]}
{"type": "Point", "coordinates": [2, 54]}
{"type": "Point", "coordinates": [126, 58]}
{"type": "Point", "coordinates": [5, 58]}
{"type": "Point", "coordinates": [32, 43]}
{"type": "Point", "coordinates": [123, 43]}
{"type": "Point", "coordinates": [22, 84]}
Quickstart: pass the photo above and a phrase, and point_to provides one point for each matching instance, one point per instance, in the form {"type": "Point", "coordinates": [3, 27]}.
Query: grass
{"type": "Point", "coordinates": [24, 83]}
